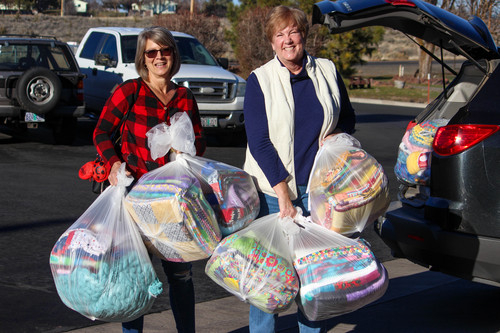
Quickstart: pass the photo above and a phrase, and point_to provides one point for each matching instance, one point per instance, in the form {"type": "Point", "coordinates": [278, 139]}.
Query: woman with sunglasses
{"type": "Point", "coordinates": [145, 102]}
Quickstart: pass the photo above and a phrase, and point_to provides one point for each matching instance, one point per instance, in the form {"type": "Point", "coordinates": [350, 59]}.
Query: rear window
{"type": "Point", "coordinates": [23, 56]}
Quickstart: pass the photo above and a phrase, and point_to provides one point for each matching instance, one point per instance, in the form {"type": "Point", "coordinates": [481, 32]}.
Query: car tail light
{"type": "Point", "coordinates": [416, 237]}
{"type": "Point", "coordinates": [79, 91]}
{"type": "Point", "coordinates": [411, 124]}
{"type": "Point", "coordinates": [453, 139]}
{"type": "Point", "coordinates": [401, 3]}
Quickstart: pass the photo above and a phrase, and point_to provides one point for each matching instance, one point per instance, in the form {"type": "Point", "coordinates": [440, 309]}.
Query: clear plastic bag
{"type": "Point", "coordinates": [413, 163]}
{"type": "Point", "coordinates": [100, 265]}
{"type": "Point", "coordinates": [347, 187]}
{"type": "Point", "coordinates": [254, 264]}
{"type": "Point", "coordinates": [173, 215]}
{"type": "Point", "coordinates": [337, 274]}
{"type": "Point", "coordinates": [230, 190]}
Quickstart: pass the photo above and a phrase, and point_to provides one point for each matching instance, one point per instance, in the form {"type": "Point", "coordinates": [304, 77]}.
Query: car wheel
{"type": "Point", "coordinates": [64, 130]}
{"type": "Point", "coordinates": [38, 90]}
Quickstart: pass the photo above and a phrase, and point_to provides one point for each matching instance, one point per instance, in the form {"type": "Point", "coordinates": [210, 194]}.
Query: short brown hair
{"type": "Point", "coordinates": [161, 36]}
{"type": "Point", "coordinates": [282, 16]}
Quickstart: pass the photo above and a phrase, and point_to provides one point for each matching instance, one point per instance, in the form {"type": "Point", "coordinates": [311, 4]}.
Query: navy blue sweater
{"type": "Point", "coordinates": [308, 121]}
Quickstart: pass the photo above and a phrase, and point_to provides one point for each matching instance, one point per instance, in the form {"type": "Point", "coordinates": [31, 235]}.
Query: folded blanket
{"type": "Point", "coordinates": [349, 192]}
{"type": "Point", "coordinates": [244, 267]}
{"type": "Point", "coordinates": [95, 279]}
{"type": "Point", "coordinates": [338, 280]}
{"type": "Point", "coordinates": [177, 222]}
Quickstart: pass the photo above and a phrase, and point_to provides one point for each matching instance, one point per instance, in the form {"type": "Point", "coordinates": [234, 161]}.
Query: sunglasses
{"type": "Point", "coordinates": [165, 52]}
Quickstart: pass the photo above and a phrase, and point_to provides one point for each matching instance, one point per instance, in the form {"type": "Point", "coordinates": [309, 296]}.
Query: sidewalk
{"type": "Point", "coordinates": [229, 314]}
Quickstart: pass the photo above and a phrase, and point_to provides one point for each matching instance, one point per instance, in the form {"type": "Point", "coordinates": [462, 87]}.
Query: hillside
{"type": "Point", "coordinates": [68, 28]}
{"type": "Point", "coordinates": [395, 45]}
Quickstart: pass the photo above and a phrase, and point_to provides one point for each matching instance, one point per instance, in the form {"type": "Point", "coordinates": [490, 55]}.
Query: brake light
{"type": "Point", "coordinates": [454, 139]}
{"type": "Point", "coordinates": [410, 125]}
{"type": "Point", "coordinates": [79, 91]}
{"type": "Point", "coordinates": [415, 237]}
{"type": "Point", "coordinates": [401, 3]}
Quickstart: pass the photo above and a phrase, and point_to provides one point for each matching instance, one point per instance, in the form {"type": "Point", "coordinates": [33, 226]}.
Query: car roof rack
{"type": "Point", "coordinates": [30, 36]}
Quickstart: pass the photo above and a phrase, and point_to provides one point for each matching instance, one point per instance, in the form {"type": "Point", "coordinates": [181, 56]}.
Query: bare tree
{"type": "Point", "coordinates": [252, 47]}
{"type": "Point", "coordinates": [209, 30]}
{"type": "Point", "coordinates": [425, 60]}
{"type": "Point", "coordinates": [487, 10]}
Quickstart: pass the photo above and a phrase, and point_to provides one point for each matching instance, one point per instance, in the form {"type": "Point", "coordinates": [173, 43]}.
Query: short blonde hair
{"type": "Point", "coordinates": [282, 16]}
{"type": "Point", "coordinates": [161, 36]}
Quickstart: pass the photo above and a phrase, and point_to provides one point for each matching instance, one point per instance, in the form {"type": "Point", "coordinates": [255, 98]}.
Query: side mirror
{"type": "Point", "coordinates": [224, 62]}
{"type": "Point", "coordinates": [105, 60]}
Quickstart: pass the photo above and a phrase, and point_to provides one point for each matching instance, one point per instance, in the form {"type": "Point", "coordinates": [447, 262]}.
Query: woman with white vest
{"type": "Point", "coordinates": [292, 103]}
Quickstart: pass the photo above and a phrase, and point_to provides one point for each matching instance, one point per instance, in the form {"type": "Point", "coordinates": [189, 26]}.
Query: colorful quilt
{"type": "Point", "coordinates": [246, 268]}
{"type": "Point", "coordinates": [177, 222]}
{"type": "Point", "coordinates": [413, 163]}
{"type": "Point", "coordinates": [338, 280]}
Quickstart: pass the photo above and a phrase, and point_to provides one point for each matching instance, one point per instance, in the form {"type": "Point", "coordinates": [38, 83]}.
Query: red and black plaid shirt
{"type": "Point", "coordinates": [147, 111]}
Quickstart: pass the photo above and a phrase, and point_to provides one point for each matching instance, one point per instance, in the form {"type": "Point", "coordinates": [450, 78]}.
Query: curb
{"type": "Point", "coordinates": [387, 102]}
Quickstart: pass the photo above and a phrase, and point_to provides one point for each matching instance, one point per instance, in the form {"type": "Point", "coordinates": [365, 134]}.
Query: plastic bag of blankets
{"type": "Point", "coordinates": [254, 264]}
{"type": "Point", "coordinates": [100, 266]}
{"type": "Point", "coordinates": [182, 207]}
{"type": "Point", "coordinates": [337, 274]}
{"type": "Point", "coordinates": [347, 187]}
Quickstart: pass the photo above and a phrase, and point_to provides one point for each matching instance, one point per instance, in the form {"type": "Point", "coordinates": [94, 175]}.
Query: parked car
{"type": "Point", "coordinates": [106, 55]}
{"type": "Point", "coordinates": [41, 84]}
{"type": "Point", "coordinates": [359, 82]}
{"type": "Point", "coordinates": [450, 220]}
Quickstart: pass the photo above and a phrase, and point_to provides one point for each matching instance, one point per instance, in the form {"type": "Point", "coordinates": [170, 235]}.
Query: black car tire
{"type": "Point", "coordinates": [64, 130]}
{"type": "Point", "coordinates": [38, 90]}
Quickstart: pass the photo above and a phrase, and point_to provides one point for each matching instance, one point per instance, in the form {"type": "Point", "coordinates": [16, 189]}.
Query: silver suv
{"type": "Point", "coordinates": [40, 83]}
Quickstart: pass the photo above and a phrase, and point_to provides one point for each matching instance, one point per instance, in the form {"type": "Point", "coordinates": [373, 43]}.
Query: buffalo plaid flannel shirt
{"type": "Point", "coordinates": [147, 111]}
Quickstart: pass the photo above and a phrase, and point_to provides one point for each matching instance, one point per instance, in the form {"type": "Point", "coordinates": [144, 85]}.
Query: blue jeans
{"type": "Point", "coordinates": [181, 291]}
{"type": "Point", "coordinates": [263, 322]}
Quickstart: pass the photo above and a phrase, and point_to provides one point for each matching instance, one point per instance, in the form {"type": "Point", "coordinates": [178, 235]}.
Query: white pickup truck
{"type": "Point", "coordinates": [106, 55]}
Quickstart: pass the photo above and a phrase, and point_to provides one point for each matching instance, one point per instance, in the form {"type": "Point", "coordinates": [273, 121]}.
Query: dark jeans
{"type": "Point", "coordinates": [181, 291]}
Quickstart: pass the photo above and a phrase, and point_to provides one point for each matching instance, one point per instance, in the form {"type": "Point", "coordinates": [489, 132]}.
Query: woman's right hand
{"type": "Point", "coordinates": [113, 179]}
{"type": "Point", "coordinates": [284, 201]}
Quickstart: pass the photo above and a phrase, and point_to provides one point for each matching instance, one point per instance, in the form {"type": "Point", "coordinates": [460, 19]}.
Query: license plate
{"type": "Point", "coordinates": [33, 118]}
{"type": "Point", "coordinates": [209, 121]}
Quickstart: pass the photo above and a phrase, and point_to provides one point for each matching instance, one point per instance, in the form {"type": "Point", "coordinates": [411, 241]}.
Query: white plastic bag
{"type": "Point", "coordinates": [100, 265]}
{"type": "Point", "coordinates": [168, 206]}
{"type": "Point", "coordinates": [254, 264]}
{"type": "Point", "coordinates": [347, 187]}
{"type": "Point", "coordinates": [337, 274]}
{"type": "Point", "coordinates": [179, 136]}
